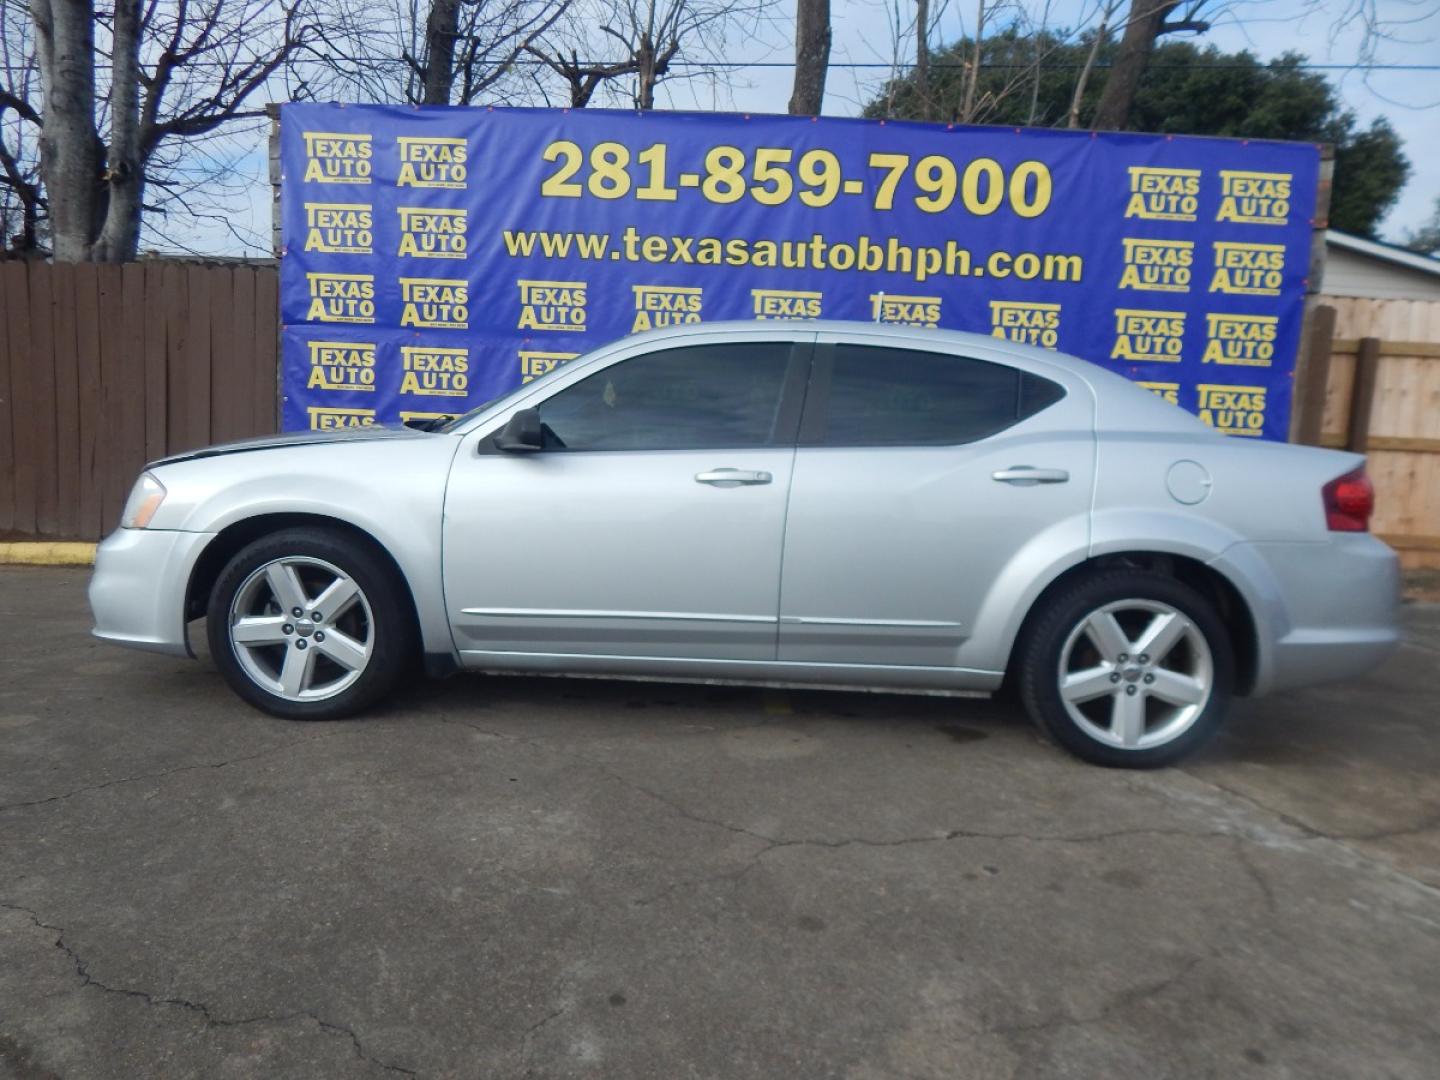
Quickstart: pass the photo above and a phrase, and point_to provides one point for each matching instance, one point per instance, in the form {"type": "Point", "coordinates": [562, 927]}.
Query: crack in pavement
{"type": "Point", "coordinates": [1315, 838]}
{"type": "Point", "coordinates": [1424, 825]}
{"type": "Point", "coordinates": [1239, 834]}
{"type": "Point", "coordinates": [563, 991]}
{"type": "Point", "coordinates": [170, 772]}
{"type": "Point", "coordinates": [199, 1007]}
{"type": "Point", "coordinates": [775, 842]}
{"type": "Point", "coordinates": [1120, 1000]}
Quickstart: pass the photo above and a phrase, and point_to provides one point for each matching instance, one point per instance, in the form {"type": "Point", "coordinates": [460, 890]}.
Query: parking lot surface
{"type": "Point", "coordinates": [513, 877]}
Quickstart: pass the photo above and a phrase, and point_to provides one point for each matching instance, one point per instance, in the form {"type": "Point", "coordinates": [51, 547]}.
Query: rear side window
{"type": "Point", "coordinates": [902, 397]}
{"type": "Point", "coordinates": [699, 397]}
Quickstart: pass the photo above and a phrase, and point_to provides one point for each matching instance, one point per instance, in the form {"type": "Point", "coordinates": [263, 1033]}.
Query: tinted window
{"type": "Point", "coordinates": [716, 396]}
{"type": "Point", "coordinates": [898, 397]}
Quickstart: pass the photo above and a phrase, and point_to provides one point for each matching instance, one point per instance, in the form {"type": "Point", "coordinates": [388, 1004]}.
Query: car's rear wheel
{"type": "Point", "coordinates": [309, 624]}
{"type": "Point", "coordinates": [1127, 668]}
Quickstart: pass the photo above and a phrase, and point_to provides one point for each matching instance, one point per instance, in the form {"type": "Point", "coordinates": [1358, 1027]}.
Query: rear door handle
{"type": "Point", "coordinates": [732, 477]}
{"type": "Point", "coordinates": [1029, 475]}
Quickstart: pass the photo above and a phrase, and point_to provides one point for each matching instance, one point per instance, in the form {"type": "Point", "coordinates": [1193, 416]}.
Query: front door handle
{"type": "Point", "coordinates": [732, 477]}
{"type": "Point", "coordinates": [1029, 475]}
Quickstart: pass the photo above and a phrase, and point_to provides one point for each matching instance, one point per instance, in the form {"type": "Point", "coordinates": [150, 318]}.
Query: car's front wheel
{"type": "Point", "coordinates": [1127, 668]}
{"type": "Point", "coordinates": [309, 624]}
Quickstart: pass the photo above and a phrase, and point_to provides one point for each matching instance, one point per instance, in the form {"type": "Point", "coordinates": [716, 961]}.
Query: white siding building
{"type": "Point", "coordinates": [1367, 268]}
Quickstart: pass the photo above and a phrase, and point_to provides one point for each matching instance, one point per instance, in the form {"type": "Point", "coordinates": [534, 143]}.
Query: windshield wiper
{"type": "Point", "coordinates": [429, 423]}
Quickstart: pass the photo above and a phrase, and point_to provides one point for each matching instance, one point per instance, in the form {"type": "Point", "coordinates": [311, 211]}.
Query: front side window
{"type": "Point", "coordinates": [697, 397]}
{"type": "Point", "coordinates": [902, 397]}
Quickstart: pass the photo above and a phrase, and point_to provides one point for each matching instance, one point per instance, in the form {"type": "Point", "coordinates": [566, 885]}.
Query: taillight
{"type": "Point", "coordinates": [1349, 502]}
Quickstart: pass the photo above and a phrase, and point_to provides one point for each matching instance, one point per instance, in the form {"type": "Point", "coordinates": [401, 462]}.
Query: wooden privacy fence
{"type": "Point", "coordinates": [1372, 385]}
{"type": "Point", "coordinates": [103, 368]}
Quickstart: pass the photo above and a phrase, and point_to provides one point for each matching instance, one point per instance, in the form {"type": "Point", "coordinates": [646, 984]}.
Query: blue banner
{"type": "Point", "coordinates": [436, 257]}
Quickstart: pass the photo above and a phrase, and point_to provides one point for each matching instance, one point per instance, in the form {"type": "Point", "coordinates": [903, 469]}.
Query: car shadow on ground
{"type": "Point", "coordinates": [1324, 727]}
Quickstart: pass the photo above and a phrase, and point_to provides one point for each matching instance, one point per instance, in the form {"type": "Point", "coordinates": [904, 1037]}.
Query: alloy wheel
{"type": "Point", "coordinates": [1136, 674]}
{"type": "Point", "coordinates": [301, 628]}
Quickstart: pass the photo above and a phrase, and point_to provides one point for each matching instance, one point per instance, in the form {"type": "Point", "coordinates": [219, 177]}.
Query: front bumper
{"type": "Point", "coordinates": [137, 592]}
{"type": "Point", "coordinates": [1323, 612]}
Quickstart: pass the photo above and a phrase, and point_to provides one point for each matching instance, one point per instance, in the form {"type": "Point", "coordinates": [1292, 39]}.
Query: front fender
{"type": "Point", "coordinates": [394, 492]}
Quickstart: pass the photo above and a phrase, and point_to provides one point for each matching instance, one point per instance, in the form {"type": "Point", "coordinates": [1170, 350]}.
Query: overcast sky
{"type": "Point", "coordinates": [1410, 99]}
{"type": "Point", "coordinates": [862, 34]}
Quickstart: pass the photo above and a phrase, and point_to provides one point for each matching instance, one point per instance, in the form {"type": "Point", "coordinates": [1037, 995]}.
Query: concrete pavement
{"type": "Point", "coordinates": [560, 878]}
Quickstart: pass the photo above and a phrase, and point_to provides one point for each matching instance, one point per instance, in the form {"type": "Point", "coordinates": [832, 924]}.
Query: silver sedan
{"type": "Point", "coordinates": [802, 504]}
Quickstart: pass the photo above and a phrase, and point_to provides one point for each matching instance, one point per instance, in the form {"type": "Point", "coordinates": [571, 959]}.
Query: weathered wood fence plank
{"type": "Point", "coordinates": [103, 368]}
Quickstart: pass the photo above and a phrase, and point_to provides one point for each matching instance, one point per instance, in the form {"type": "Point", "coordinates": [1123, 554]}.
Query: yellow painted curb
{"type": "Point", "coordinates": [47, 553]}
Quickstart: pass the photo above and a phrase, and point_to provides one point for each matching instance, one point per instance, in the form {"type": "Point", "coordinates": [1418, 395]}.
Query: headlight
{"type": "Point", "coordinates": [145, 499]}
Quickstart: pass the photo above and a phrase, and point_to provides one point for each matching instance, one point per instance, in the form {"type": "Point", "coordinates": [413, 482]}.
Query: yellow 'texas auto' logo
{"type": "Point", "coordinates": [333, 157]}
{"type": "Point", "coordinates": [1143, 336]}
{"type": "Point", "coordinates": [434, 371]}
{"type": "Point", "coordinates": [1161, 265]}
{"type": "Point", "coordinates": [323, 418]}
{"type": "Point", "coordinates": [342, 365]}
{"type": "Point", "coordinates": [1254, 198]}
{"type": "Point", "coordinates": [437, 303]}
{"type": "Point", "coordinates": [534, 364]}
{"type": "Point", "coordinates": [1240, 339]}
{"type": "Point", "coordinates": [431, 162]}
{"type": "Point", "coordinates": [348, 298]}
{"type": "Point", "coordinates": [1248, 269]}
{"type": "Point", "coordinates": [785, 304]}
{"type": "Point", "coordinates": [431, 234]}
{"type": "Point", "coordinates": [339, 228]}
{"type": "Point", "coordinates": [905, 310]}
{"type": "Point", "coordinates": [1235, 410]}
{"type": "Point", "coordinates": [552, 305]}
{"type": "Point", "coordinates": [665, 305]}
{"type": "Point", "coordinates": [1163, 194]}
{"type": "Point", "coordinates": [1027, 323]}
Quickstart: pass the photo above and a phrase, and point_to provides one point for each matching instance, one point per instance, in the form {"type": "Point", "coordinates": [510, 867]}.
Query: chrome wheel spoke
{"type": "Point", "coordinates": [343, 649]}
{"type": "Point", "coordinates": [305, 656]}
{"type": "Point", "coordinates": [1143, 690]}
{"type": "Point", "coordinates": [297, 671]}
{"type": "Point", "coordinates": [1177, 688]}
{"type": "Point", "coordinates": [1104, 630]}
{"type": "Point", "coordinates": [285, 585]}
{"type": "Point", "coordinates": [253, 630]}
{"type": "Point", "coordinates": [1162, 635]}
{"type": "Point", "coordinates": [336, 597]}
{"type": "Point", "coordinates": [1088, 684]}
{"type": "Point", "coordinates": [1127, 718]}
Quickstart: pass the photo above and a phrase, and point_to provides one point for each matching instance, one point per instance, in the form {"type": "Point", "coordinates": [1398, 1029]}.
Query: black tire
{"type": "Point", "coordinates": [1039, 657]}
{"type": "Point", "coordinates": [390, 621]}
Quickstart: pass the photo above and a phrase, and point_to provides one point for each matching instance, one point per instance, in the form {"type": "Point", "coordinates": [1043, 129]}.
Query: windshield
{"type": "Point", "coordinates": [455, 421]}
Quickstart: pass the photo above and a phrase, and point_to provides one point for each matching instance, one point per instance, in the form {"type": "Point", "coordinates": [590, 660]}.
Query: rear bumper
{"type": "Point", "coordinates": [1323, 612]}
{"type": "Point", "coordinates": [137, 592]}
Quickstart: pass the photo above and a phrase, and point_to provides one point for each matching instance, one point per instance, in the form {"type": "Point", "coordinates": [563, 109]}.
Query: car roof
{"type": "Point", "coordinates": [798, 328]}
{"type": "Point", "coordinates": [1121, 405]}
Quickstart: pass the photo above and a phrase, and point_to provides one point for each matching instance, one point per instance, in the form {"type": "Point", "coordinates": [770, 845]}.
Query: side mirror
{"type": "Point", "coordinates": [521, 433]}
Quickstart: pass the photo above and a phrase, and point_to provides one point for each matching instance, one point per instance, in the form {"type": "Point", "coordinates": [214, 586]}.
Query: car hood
{"type": "Point", "coordinates": [371, 433]}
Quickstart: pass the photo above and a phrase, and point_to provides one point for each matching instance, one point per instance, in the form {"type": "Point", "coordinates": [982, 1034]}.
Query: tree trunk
{"type": "Point", "coordinates": [125, 175]}
{"type": "Point", "coordinates": [647, 74]}
{"type": "Point", "coordinates": [922, 58]}
{"type": "Point", "coordinates": [69, 146]}
{"type": "Point", "coordinates": [972, 76]}
{"type": "Point", "coordinates": [1083, 81]}
{"type": "Point", "coordinates": [1144, 26]}
{"type": "Point", "coordinates": [441, 27]}
{"type": "Point", "coordinates": [812, 56]}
